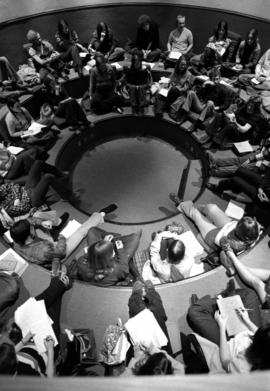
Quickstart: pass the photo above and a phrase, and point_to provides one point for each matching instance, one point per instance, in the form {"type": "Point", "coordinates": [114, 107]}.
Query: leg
{"type": "Point", "coordinates": [245, 79]}
{"type": "Point", "coordinates": [154, 55]}
{"type": "Point", "coordinates": [201, 318]}
{"type": "Point", "coordinates": [238, 185]}
{"type": "Point", "coordinates": [21, 166]}
{"type": "Point", "coordinates": [203, 224]}
{"type": "Point", "coordinates": [116, 55]}
{"type": "Point", "coordinates": [193, 103]}
{"type": "Point", "coordinates": [215, 214]}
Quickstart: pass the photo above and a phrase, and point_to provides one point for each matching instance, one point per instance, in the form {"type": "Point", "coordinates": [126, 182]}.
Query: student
{"type": "Point", "coordinates": [180, 39]}
{"type": "Point", "coordinates": [147, 43]}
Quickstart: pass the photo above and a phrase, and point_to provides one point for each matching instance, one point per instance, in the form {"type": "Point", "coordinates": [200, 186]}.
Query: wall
{"type": "Point", "coordinates": [11, 9]}
{"type": "Point", "coordinates": [122, 19]}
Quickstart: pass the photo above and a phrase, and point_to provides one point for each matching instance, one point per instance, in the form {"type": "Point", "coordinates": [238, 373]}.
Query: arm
{"type": "Point", "coordinates": [11, 127]}
{"type": "Point", "coordinates": [23, 342]}
{"type": "Point", "coordinates": [49, 344]}
{"type": "Point", "coordinates": [61, 247]}
{"type": "Point", "coordinates": [169, 43]}
{"type": "Point", "coordinates": [224, 351]}
{"type": "Point", "coordinates": [242, 128]}
{"type": "Point", "coordinates": [190, 44]}
{"type": "Point", "coordinates": [161, 268]}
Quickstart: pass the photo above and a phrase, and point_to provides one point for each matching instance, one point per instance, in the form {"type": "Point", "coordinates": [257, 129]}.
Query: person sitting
{"type": "Point", "coordinates": [43, 54]}
{"type": "Point", "coordinates": [257, 161]}
{"type": "Point", "coordinates": [103, 41]}
{"type": "Point", "coordinates": [177, 264]}
{"type": "Point", "coordinates": [18, 354]}
{"type": "Point", "coordinates": [218, 43]}
{"type": "Point", "coordinates": [213, 224]}
{"type": "Point", "coordinates": [180, 39]}
{"type": "Point", "coordinates": [247, 56]}
{"type": "Point", "coordinates": [18, 120]}
{"type": "Point", "coordinates": [247, 350]}
{"type": "Point", "coordinates": [255, 185]}
{"type": "Point", "coordinates": [102, 82]}
{"type": "Point", "coordinates": [59, 108]}
{"type": "Point", "coordinates": [108, 257]}
{"type": "Point", "coordinates": [43, 251]}
{"type": "Point", "coordinates": [261, 79]}
{"type": "Point", "coordinates": [181, 80]}
{"type": "Point", "coordinates": [67, 41]}
{"type": "Point", "coordinates": [137, 79]}
{"type": "Point", "coordinates": [147, 43]}
{"type": "Point", "coordinates": [18, 199]}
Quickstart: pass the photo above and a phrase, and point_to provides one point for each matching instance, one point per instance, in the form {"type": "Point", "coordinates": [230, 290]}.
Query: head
{"type": "Point", "coordinates": [20, 232]}
{"type": "Point", "coordinates": [156, 364]}
{"type": "Point", "coordinates": [100, 62]}
{"type": "Point", "coordinates": [258, 352]}
{"type": "Point", "coordinates": [176, 251]}
{"type": "Point", "coordinates": [180, 22]}
{"type": "Point", "coordinates": [8, 360]}
{"type": "Point", "coordinates": [144, 22]}
{"type": "Point", "coordinates": [102, 28]}
{"type": "Point", "coordinates": [63, 27]}
{"type": "Point", "coordinates": [49, 81]}
{"type": "Point", "coordinates": [247, 229]}
{"type": "Point", "coordinates": [33, 37]}
{"type": "Point", "coordinates": [181, 65]}
{"type": "Point", "coordinates": [221, 31]}
{"type": "Point", "coordinates": [14, 105]}
{"type": "Point", "coordinates": [100, 255]}
{"type": "Point", "coordinates": [136, 62]}
{"type": "Point", "coordinates": [252, 37]}
{"type": "Point", "coordinates": [215, 75]}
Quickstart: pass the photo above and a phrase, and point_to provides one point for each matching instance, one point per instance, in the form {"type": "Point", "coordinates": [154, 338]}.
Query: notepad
{"type": "Point", "coordinates": [70, 228]}
{"type": "Point", "coordinates": [163, 92]}
{"type": "Point", "coordinates": [83, 54]}
{"type": "Point", "coordinates": [34, 128]}
{"type": "Point", "coordinates": [255, 81]}
{"type": "Point", "coordinates": [12, 262]}
{"type": "Point", "coordinates": [174, 55]}
{"type": "Point", "coordinates": [14, 150]}
{"type": "Point", "coordinates": [227, 307]}
{"type": "Point", "coordinates": [243, 147]}
{"type": "Point", "coordinates": [235, 210]}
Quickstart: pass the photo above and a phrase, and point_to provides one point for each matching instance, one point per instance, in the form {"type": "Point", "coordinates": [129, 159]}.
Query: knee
{"type": "Point", "coordinates": [211, 208]}
{"type": "Point", "coordinates": [191, 94]}
{"type": "Point", "coordinates": [3, 60]}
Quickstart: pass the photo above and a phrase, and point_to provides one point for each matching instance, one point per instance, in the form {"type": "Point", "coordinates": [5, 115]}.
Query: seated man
{"type": "Point", "coordinates": [214, 224]}
{"type": "Point", "coordinates": [41, 251]}
{"type": "Point", "coordinates": [147, 40]}
{"type": "Point", "coordinates": [180, 39]}
{"type": "Point", "coordinates": [261, 79]}
{"type": "Point", "coordinates": [177, 264]}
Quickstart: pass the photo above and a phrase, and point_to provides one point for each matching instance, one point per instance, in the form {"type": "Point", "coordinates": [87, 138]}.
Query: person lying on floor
{"type": "Point", "coordinates": [257, 161]}
{"type": "Point", "coordinates": [43, 251]}
{"type": "Point", "coordinates": [59, 108]}
{"type": "Point", "coordinates": [170, 260]}
{"type": "Point", "coordinates": [108, 257]}
{"type": "Point", "coordinates": [150, 360]}
{"type": "Point", "coordinates": [247, 350]}
{"type": "Point", "coordinates": [253, 184]}
{"type": "Point", "coordinates": [18, 199]}
{"type": "Point", "coordinates": [214, 224]}
{"type": "Point", "coordinates": [18, 354]}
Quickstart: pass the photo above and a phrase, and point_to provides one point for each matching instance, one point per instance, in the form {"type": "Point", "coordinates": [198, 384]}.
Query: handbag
{"type": "Point", "coordinates": [85, 346]}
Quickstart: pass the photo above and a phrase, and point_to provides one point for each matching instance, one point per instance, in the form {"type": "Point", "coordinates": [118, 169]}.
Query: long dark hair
{"type": "Point", "coordinates": [61, 24]}
{"type": "Point", "coordinates": [258, 352]}
{"type": "Point", "coordinates": [180, 59]}
{"type": "Point", "coordinates": [99, 29]}
{"type": "Point", "coordinates": [254, 33]}
{"type": "Point", "coordinates": [222, 24]}
{"type": "Point", "coordinates": [157, 364]}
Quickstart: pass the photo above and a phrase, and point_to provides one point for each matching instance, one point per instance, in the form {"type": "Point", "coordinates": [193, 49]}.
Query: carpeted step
{"type": "Point", "coordinates": [193, 181]}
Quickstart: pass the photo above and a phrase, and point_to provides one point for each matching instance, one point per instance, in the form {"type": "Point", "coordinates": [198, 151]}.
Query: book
{"type": "Point", "coordinates": [14, 150]}
{"type": "Point", "coordinates": [70, 228]}
{"type": "Point", "coordinates": [255, 81]}
{"type": "Point", "coordinates": [163, 92]}
{"type": "Point", "coordinates": [235, 210]}
{"type": "Point", "coordinates": [34, 128]}
{"type": "Point", "coordinates": [243, 147]}
{"type": "Point", "coordinates": [10, 261]}
{"type": "Point", "coordinates": [227, 307]}
{"type": "Point", "coordinates": [192, 245]}
{"type": "Point", "coordinates": [174, 55]}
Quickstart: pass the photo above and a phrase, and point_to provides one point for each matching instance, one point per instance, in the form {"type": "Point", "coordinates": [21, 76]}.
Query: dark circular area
{"type": "Point", "coordinates": [135, 162]}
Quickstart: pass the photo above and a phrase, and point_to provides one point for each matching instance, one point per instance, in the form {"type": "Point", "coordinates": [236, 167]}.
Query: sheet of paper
{"type": "Point", "coordinates": [164, 80]}
{"type": "Point", "coordinates": [163, 92]}
{"type": "Point", "coordinates": [117, 66]}
{"type": "Point", "coordinates": [10, 257]}
{"type": "Point", "coordinates": [227, 307]}
{"type": "Point", "coordinates": [192, 245]}
{"type": "Point", "coordinates": [14, 150]}
{"type": "Point", "coordinates": [83, 54]}
{"type": "Point", "coordinates": [235, 210]}
{"type": "Point", "coordinates": [70, 228]}
{"type": "Point", "coordinates": [33, 129]}
{"type": "Point", "coordinates": [174, 55]}
{"type": "Point", "coordinates": [8, 237]}
{"type": "Point", "coordinates": [148, 64]}
{"type": "Point", "coordinates": [243, 147]}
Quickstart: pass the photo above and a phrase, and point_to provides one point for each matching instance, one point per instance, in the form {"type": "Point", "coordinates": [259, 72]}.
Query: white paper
{"type": "Point", "coordinates": [14, 150]}
{"type": "Point", "coordinates": [70, 228]}
{"type": "Point", "coordinates": [174, 55]}
{"type": "Point", "coordinates": [117, 66]}
{"type": "Point", "coordinates": [243, 147]}
{"type": "Point", "coordinates": [16, 263]}
{"type": "Point", "coordinates": [148, 64]}
{"type": "Point", "coordinates": [227, 307]}
{"type": "Point", "coordinates": [164, 80]}
{"type": "Point", "coordinates": [8, 237]}
{"type": "Point", "coordinates": [83, 54]}
{"type": "Point", "coordinates": [163, 92]}
{"type": "Point", "coordinates": [34, 128]}
{"type": "Point", "coordinates": [255, 81]}
{"type": "Point", "coordinates": [235, 210]}
{"type": "Point", "coordinates": [193, 247]}
{"type": "Point", "coordinates": [202, 77]}
{"type": "Point", "coordinates": [145, 330]}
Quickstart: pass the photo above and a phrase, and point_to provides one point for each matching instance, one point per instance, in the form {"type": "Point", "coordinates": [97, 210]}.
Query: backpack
{"type": "Point", "coordinates": [110, 352]}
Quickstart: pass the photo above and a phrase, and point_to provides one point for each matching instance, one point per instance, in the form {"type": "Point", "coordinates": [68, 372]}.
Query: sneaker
{"type": "Point", "coordinates": [55, 232]}
{"type": "Point", "coordinates": [109, 209]}
{"type": "Point", "coordinates": [175, 199]}
{"type": "Point", "coordinates": [55, 269]}
{"type": "Point", "coordinates": [187, 207]}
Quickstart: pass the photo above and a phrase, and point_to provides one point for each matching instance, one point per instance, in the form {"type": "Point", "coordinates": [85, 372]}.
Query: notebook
{"type": "Point", "coordinates": [235, 210]}
{"type": "Point", "coordinates": [227, 307]}
{"type": "Point", "coordinates": [10, 261]}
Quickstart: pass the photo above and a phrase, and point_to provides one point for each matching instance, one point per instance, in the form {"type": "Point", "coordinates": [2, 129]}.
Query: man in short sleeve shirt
{"type": "Point", "coordinates": [181, 38]}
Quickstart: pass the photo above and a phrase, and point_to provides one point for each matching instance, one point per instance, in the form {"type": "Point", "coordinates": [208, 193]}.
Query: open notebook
{"type": "Point", "coordinates": [227, 307]}
{"type": "Point", "coordinates": [10, 261]}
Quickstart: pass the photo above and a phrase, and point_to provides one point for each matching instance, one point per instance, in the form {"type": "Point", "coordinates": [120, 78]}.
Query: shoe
{"type": "Point", "coordinates": [56, 230]}
{"type": "Point", "coordinates": [56, 267]}
{"type": "Point", "coordinates": [194, 299]}
{"type": "Point", "coordinates": [109, 209]}
{"type": "Point", "coordinates": [148, 285]}
{"type": "Point", "coordinates": [230, 289]}
{"type": "Point", "coordinates": [187, 207]}
{"type": "Point", "coordinates": [175, 199]}
{"type": "Point", "coordinates": [66, 281]}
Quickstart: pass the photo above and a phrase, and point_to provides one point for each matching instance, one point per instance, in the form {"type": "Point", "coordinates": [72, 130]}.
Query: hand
{"type": "Point", "coordinates": [108, 238]}
{"type": "Point", "coordinates": [139, 352]}
{"type": "Point", "coordinates": [47, 224]}
{"type": "Point", "coordinates": [169, 235]}
{"type": "Point", "coordinates": [243, 314]}
{"type": "Point", "coordinates": [17, 202]}
{"type": "Point", "coordinates": [49, 343]}
{"type": "Point", "coordinates": [262, 196]}
{"type": "Point", "coordinates": [221, 321]}
{"type": "Point", "coordinates": [27, 337]}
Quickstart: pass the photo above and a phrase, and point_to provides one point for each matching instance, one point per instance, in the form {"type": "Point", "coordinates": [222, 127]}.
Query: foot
{"type": "Point", "coordinates": [109, 209]}
{"type": "Point", "coordinates": [194, 299]}
{"type": "Point", "coordinates": [138, 285]}
{"type": "Point", "coordinates": [187, 207]}
{"type": "Point", "coordinates": [56, 230]}
{"type": "Point", "coordinates": [148, 285]}
{"type": "Point", "coordinates": [175, 199]}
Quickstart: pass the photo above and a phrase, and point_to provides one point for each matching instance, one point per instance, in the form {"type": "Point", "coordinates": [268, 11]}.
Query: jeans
{"type": "Point", "coordinates": [22, 165]}
{"type": "Point", "coordinates": [201, 314]}
{"type": "Point", "coordinates": [71, 111]}
{"type": "Point", "coordinates": [193, 103]}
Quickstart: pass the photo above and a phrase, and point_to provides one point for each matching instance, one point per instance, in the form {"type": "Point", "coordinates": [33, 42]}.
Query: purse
{"type": "Point", "coordinates": [85, 346]}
